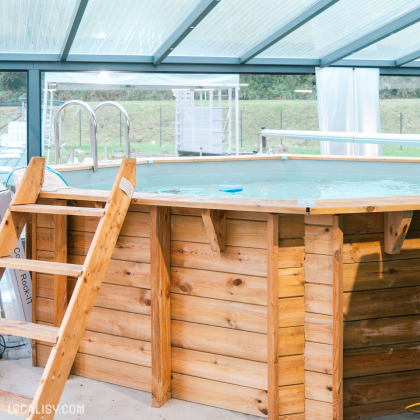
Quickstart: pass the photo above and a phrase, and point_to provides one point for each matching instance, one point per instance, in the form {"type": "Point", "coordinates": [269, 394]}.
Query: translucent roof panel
{"type": "Point", "coordinates": [392, 47]}
{"type": "Point", "coordinates": [129, 27]}
{"type": "Point", "coordinates": [34, 26]}
{"type": "Point", "coordinates": [338, 26]}
{"type": "Point", "coordinates": [234, 26]}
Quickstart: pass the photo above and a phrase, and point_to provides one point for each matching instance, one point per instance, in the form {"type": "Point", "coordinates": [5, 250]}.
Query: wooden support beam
{"type": "Point", "coordinates": [160, 268]}
{"type": "Point", "coordinates": [215, 224]}
{"type": "Point", "coordinates": [324, 305]}
{"type": "Point", "coordinates": [396, 224]}
{"type": "Point", "coordinates": [273, 316]}
{"type": "Point", "coordinates": [60, 255]}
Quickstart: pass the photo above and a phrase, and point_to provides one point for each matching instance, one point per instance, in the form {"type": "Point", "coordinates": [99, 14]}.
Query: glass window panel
{"type": "Point", "coordinates": [392, 47]}
{"type": "Point", "coordinates": [338, 26]}
{"type": "Point", "coordinates": [130, 27]}
{"type": "Point", "coordinates": [34, 26]}
{"type": "Point", "coordinates": [234, 26]}
{"type": "Point", "coordinates": [13, 115]}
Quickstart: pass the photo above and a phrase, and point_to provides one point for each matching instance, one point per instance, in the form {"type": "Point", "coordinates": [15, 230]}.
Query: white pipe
{"type": "Point", "coordinates": [376, 138]}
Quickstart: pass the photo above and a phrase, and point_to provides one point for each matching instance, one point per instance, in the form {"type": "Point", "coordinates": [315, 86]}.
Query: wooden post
{"type": "Point", "coordinates": [60, 255]}
{"type": "Point", "coordinates": [273, 316]}
{"type": "Point", "coordinates": [324, 317]}
{"type": "Point", "coordinates": [215, 225]}
{"type": "Point", "coordinates": [31, 254]}
{"type": "Point", "coordinates": [160, 242]}
{"type": "Point", "coordinates": [396, 224]}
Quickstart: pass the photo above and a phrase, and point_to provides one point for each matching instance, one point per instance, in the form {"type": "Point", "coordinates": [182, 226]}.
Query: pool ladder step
{"type": "Point", "coordinates": [62, 210]}
{"type": "Point", "coordinates": [70, 319]}
{"type": "Point", "coordinates": [45, 267]}
{"type": "Point", "coordinates": [45, 333]}
{"type": "Point", "coordinates": [15, 403]}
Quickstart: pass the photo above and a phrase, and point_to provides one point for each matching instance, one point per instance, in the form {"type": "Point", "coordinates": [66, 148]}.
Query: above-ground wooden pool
{"type": "Point", "coordinates": [300, 308]}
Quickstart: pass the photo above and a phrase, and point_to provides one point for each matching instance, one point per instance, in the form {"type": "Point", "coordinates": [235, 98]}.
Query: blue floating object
{"type": "Point", "coordinates": [230, 188]}
{"type": "Point", "coordinates": [169, 191]}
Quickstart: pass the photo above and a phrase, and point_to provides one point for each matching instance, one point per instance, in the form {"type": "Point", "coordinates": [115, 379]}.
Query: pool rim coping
{"type": "Point", "coordinates": [261, 205]}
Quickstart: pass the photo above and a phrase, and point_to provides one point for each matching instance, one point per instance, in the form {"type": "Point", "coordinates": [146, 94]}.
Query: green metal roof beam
{"type": "Point", "coordinates": [72, 29]}
{"type": "Point", "coordinates": [407, 58]}
{"type": "Point", "coordinates": [291, 26]}
{"type": "Point", "coordinates": [193, 19]}
{"type": "Point", "coordinates": [384, 31]}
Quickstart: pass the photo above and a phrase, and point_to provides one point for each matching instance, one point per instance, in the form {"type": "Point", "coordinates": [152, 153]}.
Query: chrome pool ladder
{"type": "Point", "coordinates": [126, 119]}
{"type": "Point", "coordinates": [92, 131]}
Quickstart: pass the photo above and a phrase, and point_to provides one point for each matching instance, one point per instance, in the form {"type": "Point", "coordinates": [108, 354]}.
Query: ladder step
{"type": "Point", "coordinates": [70, 211]}
{"type": "Point", "coordinates": [9, 401]}
{"type": "Point", "coordinates": [39, 332]}
{"type": "Point", "coordinates": [47, 267]}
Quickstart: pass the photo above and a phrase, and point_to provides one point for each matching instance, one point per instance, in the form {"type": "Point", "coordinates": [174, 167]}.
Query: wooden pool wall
{"type": "Point", "coordinates": [218, 311]}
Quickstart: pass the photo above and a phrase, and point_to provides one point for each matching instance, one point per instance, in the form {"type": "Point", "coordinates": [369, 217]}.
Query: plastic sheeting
{"type": "Point", "coordinates": [137, 81]}
{"type": "Point", "coordinates": [348, 101]}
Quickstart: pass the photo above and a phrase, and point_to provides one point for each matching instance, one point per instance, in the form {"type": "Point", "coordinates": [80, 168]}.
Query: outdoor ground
{"type": "Point", "coordinates": [105, 401]}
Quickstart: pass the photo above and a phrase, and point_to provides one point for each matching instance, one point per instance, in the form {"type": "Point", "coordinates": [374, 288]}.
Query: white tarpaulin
{"type": "Point", "coordinates": [135, 81]}
{"type": "Point", "coordinates": [348, 101]}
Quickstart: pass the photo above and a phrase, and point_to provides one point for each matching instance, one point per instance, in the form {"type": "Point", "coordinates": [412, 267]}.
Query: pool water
{"type": "Point", "coordinates": [291, 187]}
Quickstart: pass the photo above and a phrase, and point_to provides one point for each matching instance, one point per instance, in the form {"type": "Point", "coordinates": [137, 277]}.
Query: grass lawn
{"type": "Point", "coordinates": [148, 137]}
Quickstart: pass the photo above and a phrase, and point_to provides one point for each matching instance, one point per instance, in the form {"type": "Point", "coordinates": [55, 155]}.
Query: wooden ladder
{"type": "Point", "coordinates": [66, 338]}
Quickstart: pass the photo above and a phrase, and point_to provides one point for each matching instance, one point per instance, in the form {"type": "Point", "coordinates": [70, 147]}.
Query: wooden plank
{"type": "Point", "coordinates": [378, 360]}
{"type": "Point", "coordinates": [381, 388]}
{"type": "Point", "coordinates": [57, 209]}
{"type": "Point", "coordinates": [319, 387]}
{"type": "Point", "coordinates": [32, 225]}
{"type": "Point", "coordinates": [107, 321]}
{"type": "Point", "coordinates": [235, 287]}
{"type": "Point", "coordinates": [381, 303]}
{"type": "Point", "coordinates": [160, 269]}
{"type": "Point", "coordinates": [234, 343]}
{"type": "Point", "coordinates": [319, 298]}
{"type": "Point", "coordinates": [318, 357]}
{"type": "Point", "coordinates": [73, 326]}
{"type": "Point", "coordinates": [27, 193]}
{"type": "Point", "coordinates": [236, 260]}
{"type": "Point", "coordinates": [235, 315]}
{"type": "Point", "coordinates": [396, 226]}
{"type": "Point", "coordinates": [337, 365]}
{"type": "Point", "coordinates": [382, 331]}
{"type": "Point", "coordinates": [47, 267]}
{"type": "Point", "coordinates": [113, 371]}
{"type": "Point", "coordinates": [272, 316]}
{"type": "Point", "coordinates": [60, 255]}
{"type": "Point", "coordinates": [386, 408]}
{"type": "Point", "coordinates": [234, 370]}
{"type": "Point", "coordinates": [29, 330]}
{"type": "Point", "coordinates": [14, 403]}
{"type": "Point", "coordinates": [386, 274]}
{"type": "Point", "coordinates": [215, 225]}
{"type": "Point", "coordinates": [239, 398]}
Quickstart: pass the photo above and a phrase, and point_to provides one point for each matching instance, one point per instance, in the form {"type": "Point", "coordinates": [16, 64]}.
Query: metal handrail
{"type": "Point", "coordinates": [126, 119]}
{"type": "Point", "coordinates": [92, 131]}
